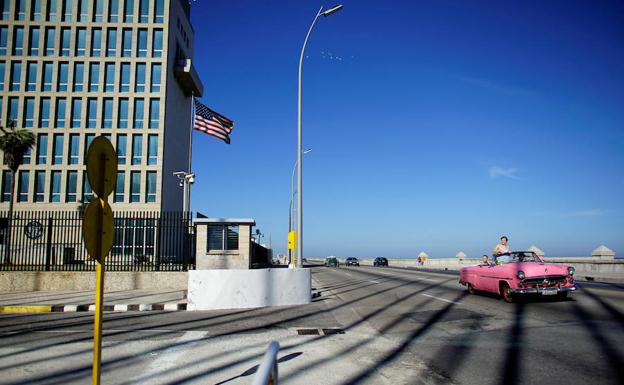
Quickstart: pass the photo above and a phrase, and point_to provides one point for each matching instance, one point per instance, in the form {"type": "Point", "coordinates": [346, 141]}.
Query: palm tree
{"type": "Point", "coordinates": [13, 143]}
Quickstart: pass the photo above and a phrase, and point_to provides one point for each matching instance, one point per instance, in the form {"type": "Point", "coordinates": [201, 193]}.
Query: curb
{"type": "Point", "coordinates": [91, 307]}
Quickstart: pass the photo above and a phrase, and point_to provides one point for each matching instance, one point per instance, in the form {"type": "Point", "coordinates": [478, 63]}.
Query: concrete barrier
{"type": "Point", "coordinates": [244, 289]}
{"type": "Point", "coordinates": [23, 281]}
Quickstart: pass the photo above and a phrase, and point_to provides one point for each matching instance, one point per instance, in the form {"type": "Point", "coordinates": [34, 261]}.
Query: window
{"type": "Point", "coordinates": [29, 112]}
{"type": "Point", "coordinates": [119, 187]}
{"type": "Point", "coordinates": [152, 149]}
{"type": "Point", "coordinates": [4, 36]}
{"type": "Point", "coordinates": [42, 148]}
{"type": "Point", "coordinates": [81, 42]}
{"type": "Point", "coordinates": [49, 41]}
{"type": "Point", "coordinates": [65, 41]}
{"type": "Point", "coordinates": [6, 185]}
{"type": "Point", "coordinates": [109, 77]}
{"type": "Point", "coordinates": [61, 104]}
{"type": "Point", "coordinates": [159, 11]}
{"type": "Point", "coordinates": [27, 155]}
{"type": "Point", "coordinates": [150, 191]}
{"type": "Point", "coordinates": [113, 11]}
{"type": "Point", "coordinates": [51, 14]}
{"type": "Point", "coordinates": [91, 112]}
{"type": "Point", "coordinates": [82, 10]}
{"type": "Point", "coordinates": [96, 42]}
{"type": "Point", "coordinates": [97, 10]}
{"type": "Point", "coordinates": [121, 149]}
{"type": "Point", "coordinates": [139, 110]}
{"type": "Point", "coordinates": [2, 70]}
{"type": "Point", "coordinates": [18, 41]}
{"type": "Point", "coordinates": [125, 78]}
{"type": "Point", "coordinates": [137, 149]}
{"type": "Point", "coordinates": [140, 78]}
{"type": "Point", "coordinates": [122, 114]}
{"type": "Point", "coordinates": [33, 44]}
{"type": "Point", "coordinates": [71, 187]}
{"type": "Point", "coordinates": [143, 11]}
{"type": "Point", "coordinates": [22, 187]}
{"type": "Point", "coordinates": [222, 237]}
{"type": "Point", "coordinates": [13, 105]}
{"type": "Point", "coordinates": [55, 186]}
{"type": "Point", "coordinates": [128, 8]}
{"type": "Point", "coordinates": [111, 42]}
{"type": "Point", "coordinates": [57, 149]}
{"type": "Point", "coordinates": [155, 77]}
{"type": "Point", "coordinates": [154, 113]}
{"type": "Point", "coordinates": [94, 77]}
{"type": "Point", "coordinates": [107, 113]}
{"type": "Point", "coordinates": [16, 71]}
{"type": "Point", "coordinates": [62, 77]}
{"type": "Point", "coordinates": [67, 9]}
{"type": "Point", "coordinates": [74, 151]}
{"type": "Point", "coordinates": [135, 186]}
{"type": "Point", "coordinates": [31, 74]}
{"type": "Point", "coordinates": [142, 43]}
{"type": "Point", "coordinates": [126, 43]}
{"type": "Point", "coordinates": [78, 77]}
{"type": "Point", "coordinates": [76, 112]}
{"type": "Point", "coordinates": [39, 186]}
{"type": "Point", "coordinates": [20, 9]}
{"type": "Point", "coordinates": [87, 193]}
{"type": "Point", "coordinates": [47, 77]}
{"type": "Point", "coordinates": [5, 4]}
{"type": "Point", "coordinates": [35, 10]}
{"type": "Point", "coordinates": [88, 140]}
{"type": "Point", "coordinates": [44, 113]}
{"type": "Point", "coordinates": [157, 43]}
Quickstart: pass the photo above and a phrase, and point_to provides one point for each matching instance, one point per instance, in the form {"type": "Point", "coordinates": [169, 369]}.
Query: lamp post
{"type": "Point", "coordinates": [320, 12]}
{"type": "Point", "coordinates": [291, 208]}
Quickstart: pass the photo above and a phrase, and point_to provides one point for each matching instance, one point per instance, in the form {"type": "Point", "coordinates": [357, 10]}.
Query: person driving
{"type": "Point", "coordinates": [502, 250]}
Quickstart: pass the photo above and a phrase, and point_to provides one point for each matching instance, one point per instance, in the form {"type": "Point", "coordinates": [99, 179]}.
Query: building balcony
{"type": "Point", "coordinates": [188, 78]}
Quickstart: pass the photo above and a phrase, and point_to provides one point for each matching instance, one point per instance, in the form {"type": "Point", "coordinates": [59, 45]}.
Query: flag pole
{"type": "Point", "coordinates": [187, 185]}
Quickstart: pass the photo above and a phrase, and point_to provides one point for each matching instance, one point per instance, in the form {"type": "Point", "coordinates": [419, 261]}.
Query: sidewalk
{"type": "Point", "coordinates": [72, 301]}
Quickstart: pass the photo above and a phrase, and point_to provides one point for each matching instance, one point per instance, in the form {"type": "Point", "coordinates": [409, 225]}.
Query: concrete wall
{"type": "Point", "coordinates": [243, 289]}
{"type": "Point", "coordinates": [223, 259]}
{"type": "Point", "coordinates": [21, 281]}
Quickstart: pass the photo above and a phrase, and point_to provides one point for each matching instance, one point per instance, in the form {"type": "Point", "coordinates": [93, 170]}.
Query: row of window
{"type": "Point", "coordinates": [64, 47]}
{"type": "Point", "coordinates": [112, 11]}
{"type": "Point", "coordinates": [111, 114]}
{"type": "Point", "coordinates": [40, 76]}
{"type": "Point", "coordinates": [53, 180]}
{"type": "Point", "coordinates": [62, 153]}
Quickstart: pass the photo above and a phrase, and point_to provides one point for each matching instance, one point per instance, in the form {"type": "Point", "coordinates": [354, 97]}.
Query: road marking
{"type": "Point", "coordinates": [373, 281]}
{"type": "Point", "coordinates": [440, 299]}
{"type": "Point", "coordinates": [349, 274]}
{"type": "Point", "coordinates": [428, 280]}
{"type": "Point", "coordinates": [66, 331]}
{"type": "Point", "coordinates": [25, 309]}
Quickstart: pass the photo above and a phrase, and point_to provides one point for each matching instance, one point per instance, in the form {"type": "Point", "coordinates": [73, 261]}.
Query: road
{"type": "Point", "coordinates": [399, 327]}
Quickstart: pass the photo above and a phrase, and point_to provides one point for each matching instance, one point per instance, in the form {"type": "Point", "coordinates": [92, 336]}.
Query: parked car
{"type": "Point", "coordinates": [380, 261]}
{"type": "Point", "coordinates": [352, 261]}
{"type": "Point", "coordinates": [331, 262]}
{"type": "Point", "coordinates": [519, 273]}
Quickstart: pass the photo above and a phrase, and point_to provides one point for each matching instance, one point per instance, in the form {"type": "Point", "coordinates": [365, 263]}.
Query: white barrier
{"type": "Point", "coordinates": [244, 289]}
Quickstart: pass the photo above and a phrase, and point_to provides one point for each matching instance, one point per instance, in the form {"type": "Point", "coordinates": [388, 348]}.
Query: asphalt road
{"type": "Point", "coordinates": [400, 327]}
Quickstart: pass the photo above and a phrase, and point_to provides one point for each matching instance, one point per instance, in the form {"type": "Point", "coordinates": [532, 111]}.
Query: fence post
{"type": "Point", "coordinates": [49, 244]}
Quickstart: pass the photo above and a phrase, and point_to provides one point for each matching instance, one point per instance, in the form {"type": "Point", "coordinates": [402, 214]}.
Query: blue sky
{"type": "Point", "coordinates": [435, 125]}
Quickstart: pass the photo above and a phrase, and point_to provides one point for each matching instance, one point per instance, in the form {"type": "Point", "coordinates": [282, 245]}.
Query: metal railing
{"type": "Point", "coordinates": [267, 373]}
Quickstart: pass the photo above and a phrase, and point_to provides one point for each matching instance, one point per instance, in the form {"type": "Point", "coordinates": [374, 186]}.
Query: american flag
{"type": "Point", "coordinates": [212, 123]}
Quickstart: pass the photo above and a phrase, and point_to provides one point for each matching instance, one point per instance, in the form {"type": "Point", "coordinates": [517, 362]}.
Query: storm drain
{"type": "Point", "coordinates": [308, 332]}
{"type": "Point", "coordinates": [316, 332]}
{"type": "Point", "coordinates": [333, 331]}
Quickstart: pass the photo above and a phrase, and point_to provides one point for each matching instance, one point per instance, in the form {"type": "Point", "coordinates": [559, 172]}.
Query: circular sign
{"type": "Point", "coordinates": [98, 229]}
{"type": "Point", "coordinates": [34, 230]}
{"type": "Point", "coordinates": [102, 166]}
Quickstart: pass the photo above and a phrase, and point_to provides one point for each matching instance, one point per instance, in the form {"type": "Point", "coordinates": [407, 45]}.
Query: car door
{"type": "Point", "coordinates": [488, 277]}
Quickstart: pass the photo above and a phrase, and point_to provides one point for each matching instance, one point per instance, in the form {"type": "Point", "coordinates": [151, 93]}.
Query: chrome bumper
{"type": "Point", "coordinates": [540, 290]}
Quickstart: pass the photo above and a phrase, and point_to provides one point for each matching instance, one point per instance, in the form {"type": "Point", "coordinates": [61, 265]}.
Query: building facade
{"type": "Point", "coordinates": [71, 70]}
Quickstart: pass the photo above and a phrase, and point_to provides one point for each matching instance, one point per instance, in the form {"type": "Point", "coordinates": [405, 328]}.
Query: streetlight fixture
{"type": "Point", "coordinates": [291, 207]}
{"type": "Point", "coordinates": [320, 12]}
{"type": "Point", "coordinates": [186, 180]}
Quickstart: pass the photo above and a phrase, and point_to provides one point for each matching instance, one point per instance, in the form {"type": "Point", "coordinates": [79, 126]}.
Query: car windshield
{"type": "Point", "coordinates": [520, 256]}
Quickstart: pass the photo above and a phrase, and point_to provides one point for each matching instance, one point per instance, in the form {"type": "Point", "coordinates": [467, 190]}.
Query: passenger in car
{"type": "Point", "coordinates": [502, 250]}
{"type": "Point", "coordinates": [485, 259]}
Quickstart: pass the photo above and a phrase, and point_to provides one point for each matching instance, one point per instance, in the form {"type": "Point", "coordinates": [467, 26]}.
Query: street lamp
{"type": "Point", "coordinates": [291, 208]}
{"type": "Point", "coordinates": [186, 180]}
{"type": "Point", "coordinates": [320, 12]}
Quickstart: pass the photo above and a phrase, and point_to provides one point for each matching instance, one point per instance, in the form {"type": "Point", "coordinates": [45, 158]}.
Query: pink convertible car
{"type": "Point", "coordinates": [519, 272]}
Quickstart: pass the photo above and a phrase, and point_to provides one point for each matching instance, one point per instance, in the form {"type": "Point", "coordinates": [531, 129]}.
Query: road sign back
{"type": "Point", "coordinates": [98, 229]}
{"type": "Point", "coordinates": [102, 166]}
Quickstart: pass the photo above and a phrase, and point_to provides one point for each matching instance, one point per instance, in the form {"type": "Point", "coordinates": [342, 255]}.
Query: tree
{"type": "Point", "coordinates": [13, 143]}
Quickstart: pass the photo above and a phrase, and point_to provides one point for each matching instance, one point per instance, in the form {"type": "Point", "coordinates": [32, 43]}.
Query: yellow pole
{"type": "Point", "coordinates": [97, 327]}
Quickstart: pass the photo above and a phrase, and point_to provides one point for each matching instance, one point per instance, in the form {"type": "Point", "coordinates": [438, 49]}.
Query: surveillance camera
{"type": "Point", "coordinates": [181, 184]}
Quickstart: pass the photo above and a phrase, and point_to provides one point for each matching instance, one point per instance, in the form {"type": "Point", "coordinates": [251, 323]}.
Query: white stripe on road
{"type": "Point", "coordinates": [69, 331]}
{"type": "Point", "coordinates": [373, 281]}
{"type": "Point", "coordinates": [440, 299]}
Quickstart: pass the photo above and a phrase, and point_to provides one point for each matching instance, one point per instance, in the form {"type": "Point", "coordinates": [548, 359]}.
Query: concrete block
{"type": "Point", "coordinates": [603, 252]}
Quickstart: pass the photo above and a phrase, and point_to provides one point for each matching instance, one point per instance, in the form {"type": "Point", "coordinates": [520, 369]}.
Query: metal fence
{"type": "Point", "coordinates": [52, 241]}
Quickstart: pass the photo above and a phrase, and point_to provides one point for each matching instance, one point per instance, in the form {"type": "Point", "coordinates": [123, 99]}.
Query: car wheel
{"type": "Point", "coordinates": [562, 295]}
{"type": "Point", "coordinates": [470, 289]}
{"type": "Point", "coordinates": [506, 293]}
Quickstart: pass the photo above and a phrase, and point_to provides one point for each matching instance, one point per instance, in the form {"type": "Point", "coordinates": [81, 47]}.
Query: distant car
{"type": "Point", "coordinates": [380, 261]}
{"type": "Point", "coordinates": [331, 262]}
{"type": "Point", "coordinates": [519, 273]}
{"type": "Point", "coordinates": [352, 261]}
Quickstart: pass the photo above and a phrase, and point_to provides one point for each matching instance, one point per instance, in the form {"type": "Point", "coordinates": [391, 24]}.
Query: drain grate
{"type": "Point", "coordinates": [333, 331]}
{"type": "Point", "coordinates": [308, 332]}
